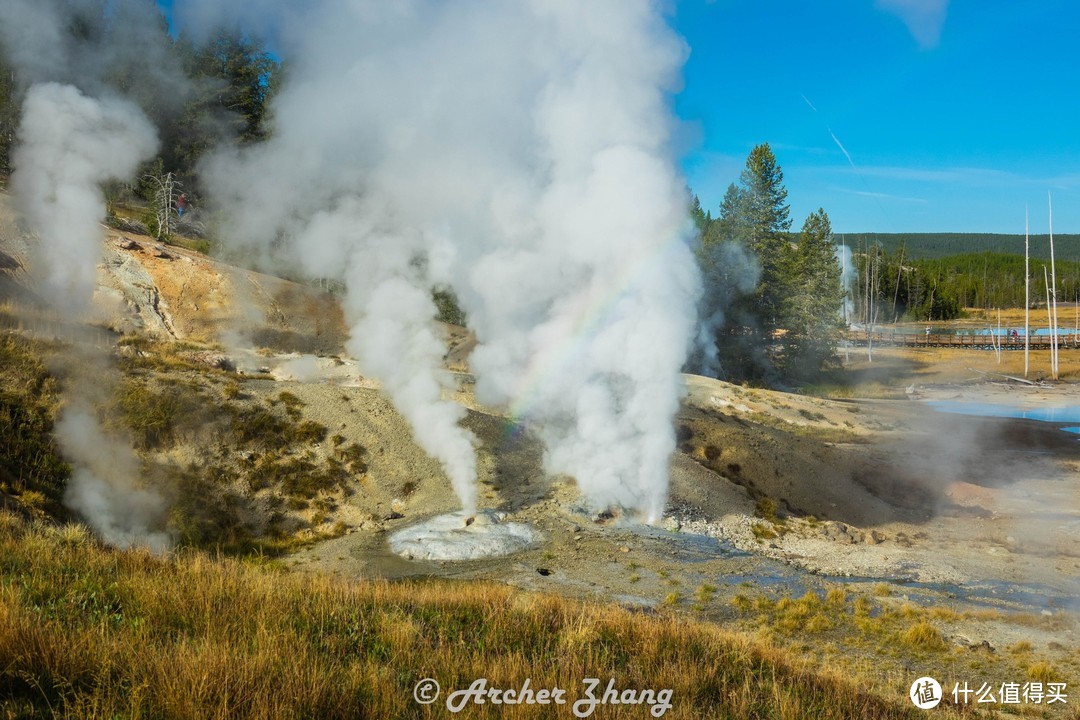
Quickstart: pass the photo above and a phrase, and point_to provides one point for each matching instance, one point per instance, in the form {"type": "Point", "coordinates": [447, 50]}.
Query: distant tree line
{"type": "Point", "coordinates": [919, 246]}
{"type": "Point", "coordinates": [893, 287]}
{"type": "Point", "coordinates": [771, 310]}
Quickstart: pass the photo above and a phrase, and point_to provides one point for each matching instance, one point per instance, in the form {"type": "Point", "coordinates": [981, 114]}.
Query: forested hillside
{"type": "Point", "coordinates": [891, 288]}
{"type": "Point", "coordinates": [918, 246]}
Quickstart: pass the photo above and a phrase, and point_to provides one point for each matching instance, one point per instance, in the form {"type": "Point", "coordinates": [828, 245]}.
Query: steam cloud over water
{"type": "Point", "coordinates": [518, 152]}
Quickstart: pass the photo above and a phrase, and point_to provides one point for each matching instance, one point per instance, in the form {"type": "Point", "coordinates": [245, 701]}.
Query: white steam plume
{"type": "Point", "coordinates": [102, 487]}
{"type": "Point", "coordinates": [94, 43]}
{"type": "Point", "coordinates": [518, 152]}
{"type": "Point", "coordinates": [729, 272]}
{"type": "Point", "coordinates": [69, 144]}
{"type": "Point", "coordinates": [848, 276]}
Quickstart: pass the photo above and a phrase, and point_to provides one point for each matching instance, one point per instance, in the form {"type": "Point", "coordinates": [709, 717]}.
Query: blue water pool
{"type": "Point", "coordinates": [1065, 414]}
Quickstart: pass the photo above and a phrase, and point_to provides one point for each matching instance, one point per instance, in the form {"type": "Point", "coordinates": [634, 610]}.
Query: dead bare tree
{"type": "Point", "coordinates": [166, 203]}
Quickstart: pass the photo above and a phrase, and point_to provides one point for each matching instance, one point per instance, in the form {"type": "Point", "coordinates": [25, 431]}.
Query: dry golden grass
{"type": "Point", "coordinates": [90, 632]}
{"type": "Point", "coordinates": [922, 635]}
{"type": "Point", "coordinates": [1014, 317]}
{"type": "Point", "coordinates": [1042, 671]}
{"type": "Point", "coordinates": [873, 636]}
{"type": "Point", "coordinates": [956, 362]}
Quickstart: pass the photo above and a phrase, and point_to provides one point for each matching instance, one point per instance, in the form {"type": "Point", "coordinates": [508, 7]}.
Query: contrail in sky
{"type": "Point", "coordinates": [841, 146]}
{"type": "Point", "coordinates": [851, 162]}
{"type": "Point", "coordinates": [833, 135]}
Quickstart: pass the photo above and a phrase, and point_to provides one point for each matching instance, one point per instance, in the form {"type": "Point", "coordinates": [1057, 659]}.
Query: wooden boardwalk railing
{"type": "Point", "coordinates": [892, 338]}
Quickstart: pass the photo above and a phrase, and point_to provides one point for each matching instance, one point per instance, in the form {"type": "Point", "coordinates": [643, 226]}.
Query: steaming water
{"type": "Point", "coordinates": [1063, 414]}
{"type": "Point", "coordinates": [693, 552]}
{"type": "Point", "coordinates": [447, 537]}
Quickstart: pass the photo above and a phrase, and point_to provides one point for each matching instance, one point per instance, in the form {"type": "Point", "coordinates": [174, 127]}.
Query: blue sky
{"type": "Point", "coordinates": [954, 114]}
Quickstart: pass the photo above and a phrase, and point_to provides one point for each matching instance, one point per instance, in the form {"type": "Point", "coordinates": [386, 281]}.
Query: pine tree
{"type": "Point", "coordinates": [728, 224]}
{"type": "Point", "coordinates": [812, 309]}
{"type": "Point", "coordinates": [771, 304]}
{"type": "Point", "coordinates": [764, 224]}
{"type": "Point", "coordinates": [699, 216]}
{"type": "Point", "coordinates": [764, 198]}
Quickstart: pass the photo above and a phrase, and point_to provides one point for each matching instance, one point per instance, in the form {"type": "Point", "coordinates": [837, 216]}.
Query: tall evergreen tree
{"type": "Point", "coordinates": [765, 223]}
{"type": "Point", "coordinates": [812, 309]}
{"type": "Point", "coordinates": [244, 74]}
{"type": "Point", "coordinates": [699, 216]}
{"type": "Point", "coordinates": [764, 198]}
{"type": "Point", "coordinates": [729, 222]}
{"type": "Point", "coordinates": [776, 317]}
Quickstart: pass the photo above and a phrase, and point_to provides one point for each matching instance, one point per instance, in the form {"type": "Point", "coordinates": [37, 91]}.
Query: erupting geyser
{"type": "Point", "coordinates": [519, 153]}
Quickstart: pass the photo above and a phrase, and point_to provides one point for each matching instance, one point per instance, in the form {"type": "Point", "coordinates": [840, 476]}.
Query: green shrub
{"type": "Point", "coordinates": [203, 515]}
{"type": "Point", "coordinates": [765, 508]}
{"type": "Point", "coordinates": [448, 310]}
{"type": "Point", "coordinates": [353, 457]}
{"type": "Point", "coordinates": [30, 461]}
{"type": "Point", "coordinates": [156, 412]}
{"type": "Point", "coordinates": [310, 431]}
{"type": "Point", "coordinates": [257, 427]}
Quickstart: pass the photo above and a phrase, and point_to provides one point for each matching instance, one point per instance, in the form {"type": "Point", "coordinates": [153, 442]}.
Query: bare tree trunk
{"type": "Point", "coordinates": [1000, 340]}
{"type": "Point", "coordinates": [1053, 281]}
{"type": "Point", "coordinates": [1027, 296]}
{"type": "Point", "coordinates": [1050, 319]}
{"type": "Point", "coordinates": [896, 294]}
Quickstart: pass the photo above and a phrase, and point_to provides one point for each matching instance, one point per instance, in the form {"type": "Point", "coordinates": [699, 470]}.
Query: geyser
{"type": "Point", "coordinates": [462, 536]}
{"type": "Point", "coordinates": [518, 153]}
{"type": "Point", "coordinates": [77, 132]}
{"type": "Point", "coordinates": [69, 145]}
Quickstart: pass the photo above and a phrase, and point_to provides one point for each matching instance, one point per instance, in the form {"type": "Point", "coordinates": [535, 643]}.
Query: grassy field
{"type": "Point", "coordinates": [86, 631]}
{"type": "Point", "coordinates": [903, 366]}
{"type": "Point", "coordinates": [891, 369]}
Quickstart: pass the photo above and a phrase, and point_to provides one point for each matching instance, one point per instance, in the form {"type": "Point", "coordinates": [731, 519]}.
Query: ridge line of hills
{"type": "Point", "coordinates": [929, 246]}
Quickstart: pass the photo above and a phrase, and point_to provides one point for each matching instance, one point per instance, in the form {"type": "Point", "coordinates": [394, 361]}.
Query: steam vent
{"type": "Point", "coordinates": [462, 536]}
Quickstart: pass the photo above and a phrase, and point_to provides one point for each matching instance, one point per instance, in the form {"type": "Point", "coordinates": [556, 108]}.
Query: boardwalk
{"type": "Point", "coordinates": [892, 338]}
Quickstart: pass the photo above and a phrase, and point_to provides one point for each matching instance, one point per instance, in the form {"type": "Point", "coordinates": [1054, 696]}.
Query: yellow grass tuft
{"type": "Point", "coordinates": [923, 635]}
{"type": "Point", "coordinates": [836, 597]}
{"type": "Point", "coordinates": [1042, 671]}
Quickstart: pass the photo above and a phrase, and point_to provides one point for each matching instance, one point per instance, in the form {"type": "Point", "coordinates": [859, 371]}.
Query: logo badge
{"type": "Point", "coordinates": [925, 693]}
